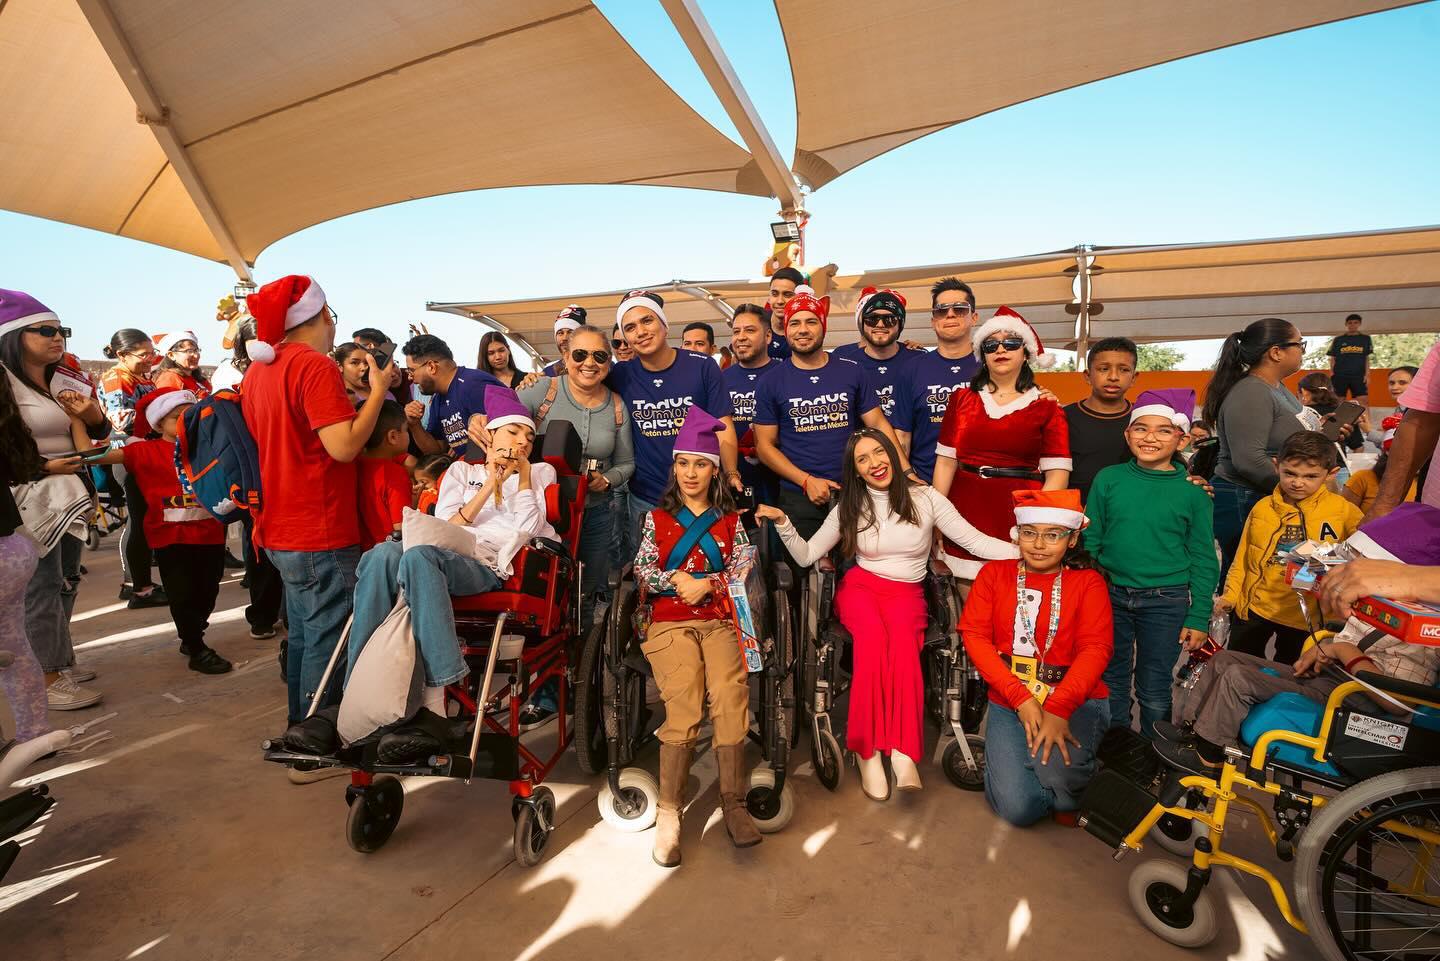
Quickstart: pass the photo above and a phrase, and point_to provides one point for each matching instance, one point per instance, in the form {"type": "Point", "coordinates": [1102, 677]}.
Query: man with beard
{"type": "Point", "coordinates": [805, 412]}
{"type": "Point", "coordinates": [923, 394]}
{"type": "Point", "coordinates": [458, 394]}
{"type": "Point", "coordinates": [569, 320]}
{"type": "Point", "coordinates": [783, 284]}
{"type": "Point", "coordinates": [880, 316]}
{"type": "Point", "coordinates": [749, 335]}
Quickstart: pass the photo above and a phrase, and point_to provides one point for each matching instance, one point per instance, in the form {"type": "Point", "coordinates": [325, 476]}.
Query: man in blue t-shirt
{"type": "Point", "coordinates": [457, 394]}
{"type": "Point", "coordinates": [660, 386]}
{"type": "Point", "coordinates": [783, 284]}
{"type": "Point", "coordinates": [880, 315]}
{"type": "Point", "coordinates": [569, 320]}
{"type": "Point", "coordinates": [923, 394]}
{"type": "Point", "coordinates": [806, 411]}
{"type": "Point", "coordinates": [748, 333]}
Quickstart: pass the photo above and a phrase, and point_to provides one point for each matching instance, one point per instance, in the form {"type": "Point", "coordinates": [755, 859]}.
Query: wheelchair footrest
{"type": "Point", "coordinates": [1113, 806]}
{"type": "Point", "coordinates": [1129, 753]}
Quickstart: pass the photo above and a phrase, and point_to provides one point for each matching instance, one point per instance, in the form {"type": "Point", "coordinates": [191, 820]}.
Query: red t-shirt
{"type": "Point", "coordinates": [171, 515]}
{"type": "Point", "coordinates": [1083, 642]}
{"type": "Point", "coordinates": [384, 495]}
{"type": "Point", "coordinates": [308, 497]}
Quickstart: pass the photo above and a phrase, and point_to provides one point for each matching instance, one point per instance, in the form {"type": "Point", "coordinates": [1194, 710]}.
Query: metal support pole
{"type": "Point", "coordinates": [1082, 288]}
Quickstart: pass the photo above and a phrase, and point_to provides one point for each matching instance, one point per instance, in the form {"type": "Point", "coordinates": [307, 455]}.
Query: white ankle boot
{"type": "Point", "coordinates": [873, 779]}
{"type": "Point", "coordinates": [907, 775]}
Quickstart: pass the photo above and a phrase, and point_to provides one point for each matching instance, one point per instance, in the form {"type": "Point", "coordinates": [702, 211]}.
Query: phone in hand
{"type": "Point", "coordinates": [94, 453]}
{"type": "Point", "coordinates": [382, 355]}
{"type": "Point", "coordinates": [1347, 413]}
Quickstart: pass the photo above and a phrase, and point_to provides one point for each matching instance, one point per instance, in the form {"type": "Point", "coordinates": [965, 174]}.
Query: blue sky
{"type": "Point", "coordinates": [1331, 129]}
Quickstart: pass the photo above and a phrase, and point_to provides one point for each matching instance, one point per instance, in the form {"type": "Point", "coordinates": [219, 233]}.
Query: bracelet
{"type": "Point", "coordinates": [467, 520]}
{"type": "Point", "coordinates": [1355, 660]}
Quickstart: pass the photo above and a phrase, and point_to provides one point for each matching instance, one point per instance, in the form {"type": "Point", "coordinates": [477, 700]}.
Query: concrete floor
{"type": "Point", "coordinates": [174, 840]}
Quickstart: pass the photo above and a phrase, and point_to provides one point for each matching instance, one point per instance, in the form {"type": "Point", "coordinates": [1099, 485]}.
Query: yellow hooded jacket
{"type": "Point", "coordinates": [1256, 581]}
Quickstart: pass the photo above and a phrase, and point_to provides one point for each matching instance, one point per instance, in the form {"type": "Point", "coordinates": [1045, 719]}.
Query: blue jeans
{"type": "Point", "coordinates": [1148, 621]}
{"type": "Point", "coordinates": [1022, 790]}
{"type": "Point", "coordinates": [1233, 503]}
{"type": "Point", "coordinates": [318, 589]}
{"type": "Point", "coordinates": [428, 576]}
{"type": "Point", "coordinates": [622, 542]}
{"type": "Point", "coordinates": [597, 532]}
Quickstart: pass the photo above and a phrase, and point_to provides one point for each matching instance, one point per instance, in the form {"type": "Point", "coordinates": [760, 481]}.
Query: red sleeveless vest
{"type": "Point", "coordinates": [668, 532]}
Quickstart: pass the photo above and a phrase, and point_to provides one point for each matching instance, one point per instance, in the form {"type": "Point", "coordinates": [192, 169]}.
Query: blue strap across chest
{"type": "Point", "coordinates": [697, 532]}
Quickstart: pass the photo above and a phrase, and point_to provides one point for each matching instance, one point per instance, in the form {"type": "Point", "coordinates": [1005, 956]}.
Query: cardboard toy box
{"type": "Point", "coordinates": [1410, 621]}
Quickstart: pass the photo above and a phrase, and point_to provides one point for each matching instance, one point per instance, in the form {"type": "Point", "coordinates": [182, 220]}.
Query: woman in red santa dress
{"type": "Point", "coordinates": [1000, 434]}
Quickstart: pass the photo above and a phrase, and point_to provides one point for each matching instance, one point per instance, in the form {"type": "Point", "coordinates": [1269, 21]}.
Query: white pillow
{"type": "Point", "coordinates": [417, 528]}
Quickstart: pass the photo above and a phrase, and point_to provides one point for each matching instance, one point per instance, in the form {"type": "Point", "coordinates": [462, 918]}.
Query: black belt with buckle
{"type": "Point", "coordinates": [1023, 473]}
{"type": "Point", "coordinates": [1051, 674]}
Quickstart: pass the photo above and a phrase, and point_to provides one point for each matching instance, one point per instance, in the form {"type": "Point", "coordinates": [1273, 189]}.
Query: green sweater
{"type": "Point", "coordinates": [1151, 528]}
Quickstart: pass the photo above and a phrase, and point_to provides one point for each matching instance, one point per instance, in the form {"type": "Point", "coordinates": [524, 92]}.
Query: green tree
{"type": "Point", "coordinates": [1391, 350]}
{"type": "Point", "coordinates": [1159, 357]}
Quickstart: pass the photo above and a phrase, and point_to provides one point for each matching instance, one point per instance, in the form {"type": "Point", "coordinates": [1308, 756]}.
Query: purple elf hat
{"type": "Point", "coordinates": [700, 435]}
{"type": "Point", "coordinates": [1176, 404]}
{"type": "Point", "coordinates": [1409, 534]}
{"type": "Point", "coordinates": [502, 406]}
{"type": "Point", "coordinates": [18, 309]}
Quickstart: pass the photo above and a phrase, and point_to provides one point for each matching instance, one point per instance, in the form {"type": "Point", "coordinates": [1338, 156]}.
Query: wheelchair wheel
{"type": "Point", "coordinates": [960, 774]}
{"type": "Point", "coordinates": [1176, 835]}
{"type": "Point", "coordinates": [590, 747]}
{"type": "Point", "coordinates": [770, 813]}
{"type": "Point", "coordinates": [635, 811]}
{"type": "Point", "coordinates": [92, 538]}
{"type": "Point", "coordinates": [829, 760]}
{"type": "Point", "coordinates": [374, 814]}
{"type": "Point", "coordinates": [1359, 882]}
{"type": "Point", "coordinates": [1155, 886]}
{"type": "Point", "coordinates": [534, 820]}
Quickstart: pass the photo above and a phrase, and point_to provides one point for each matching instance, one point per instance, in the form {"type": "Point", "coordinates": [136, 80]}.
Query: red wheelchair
{"type": "Point", "coordinates": [526, 630]}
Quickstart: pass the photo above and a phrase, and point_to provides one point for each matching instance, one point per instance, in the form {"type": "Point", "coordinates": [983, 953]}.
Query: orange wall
{"type": "Point", "coordinates": [1071, 386]}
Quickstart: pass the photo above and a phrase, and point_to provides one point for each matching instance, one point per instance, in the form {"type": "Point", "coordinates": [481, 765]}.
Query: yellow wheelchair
{"type": "Point", "coordinates": [1358, 787]}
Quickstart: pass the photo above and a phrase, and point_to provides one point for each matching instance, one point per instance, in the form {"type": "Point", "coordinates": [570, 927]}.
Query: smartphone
{"type": "Point", "coordinates": [94, 453]}
{"type": "Point", "coordinates": [382, 355]}
{"type": "Point", "coordinates": [1347, 413]}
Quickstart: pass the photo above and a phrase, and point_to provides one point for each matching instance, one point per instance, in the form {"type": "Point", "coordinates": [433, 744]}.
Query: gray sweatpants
{"type": "Point", "coordinates": [1230, 685]}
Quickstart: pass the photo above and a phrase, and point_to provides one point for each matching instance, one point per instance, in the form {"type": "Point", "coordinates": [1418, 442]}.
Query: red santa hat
{"type": "Point", "coordinates": [279, 306]}
{"type": "Point", "coordinates": [1061, 508]}
{"type": "Point", "coordinates": [1006, 320]}
{"type": "Point", "coordinates": [164, 343]}
{"type": "Point", "coordinates": [155, 406]}
{"type": "Point", "coordinates": [806, 300]}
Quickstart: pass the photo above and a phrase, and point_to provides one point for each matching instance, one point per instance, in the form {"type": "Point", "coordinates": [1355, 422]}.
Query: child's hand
{"type": "Point", "coordinates": [1031, 716]}
{"type": "Point", "coordinates": [414, 412]}
{"type": "Point", "coordinates": [769, 512]}
{"type": "Point", "coordinates": [690, 589]}
{"type": "Point", "coordinates": [1191, 638]}
{"type": "Point", "coordinates": [1054, 732]}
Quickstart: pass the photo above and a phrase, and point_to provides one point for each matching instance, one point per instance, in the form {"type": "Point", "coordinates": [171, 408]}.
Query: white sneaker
{"type": "Point", "coordinates": [64, 694]}
{"type": "Point", "coordinates": [907, 775]}
{"type": "Point", "coordinates": [81, 674]}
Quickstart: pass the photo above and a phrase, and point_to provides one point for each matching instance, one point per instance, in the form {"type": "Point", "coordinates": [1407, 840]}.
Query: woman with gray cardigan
{"type": "Point", "coordinates": [1253, 414]}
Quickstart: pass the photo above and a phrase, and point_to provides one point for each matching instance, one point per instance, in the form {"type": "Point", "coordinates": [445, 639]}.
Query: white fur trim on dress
{"type": "Point", "coordinates": [1056, 463]}
{"type": "Point", "coordinates": [995, 411]}
{"type": "Point", "coordinates": [309, 304]}
{"type": "Point", "coordinates": [942, 451]}
{"type": "Point", "coordinates": [1059, 516]}
{"type": "Point", "coordinates": [1160, 410]}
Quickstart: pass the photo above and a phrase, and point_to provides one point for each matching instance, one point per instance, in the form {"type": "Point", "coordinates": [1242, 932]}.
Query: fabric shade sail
{"type": "Point", "coordinates": [989, 54]}
{"type": "Point", "coordinates": [258, 119]}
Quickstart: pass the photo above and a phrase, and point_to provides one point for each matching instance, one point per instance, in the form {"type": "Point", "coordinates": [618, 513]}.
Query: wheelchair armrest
{"type": "Point", "coordinates": [784, 580]}
{"type": "Point", "coordinates": [1406, 690]}
{"type": "Point", "coordinates": [549, 545]}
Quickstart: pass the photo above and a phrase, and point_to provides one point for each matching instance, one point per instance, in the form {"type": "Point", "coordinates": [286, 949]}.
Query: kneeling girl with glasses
{"type": "Point", "coordinates": [888, 525]}
{"type": "Point", "coordinates": [1039, 631]}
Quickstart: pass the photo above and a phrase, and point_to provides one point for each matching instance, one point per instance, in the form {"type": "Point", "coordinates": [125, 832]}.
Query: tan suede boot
{"type": "Point", "coordinates": [674, 773]}
{"type": "Point", "coordinates": [734, 785]}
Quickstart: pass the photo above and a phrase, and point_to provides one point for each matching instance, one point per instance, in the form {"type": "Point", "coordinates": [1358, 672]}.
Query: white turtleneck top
{"type": "Point", "coordinates": [892, 548]}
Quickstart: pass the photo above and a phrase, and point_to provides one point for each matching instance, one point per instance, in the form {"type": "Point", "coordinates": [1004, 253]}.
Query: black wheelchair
{"type": "Point", "coordinates": [1356, 799]}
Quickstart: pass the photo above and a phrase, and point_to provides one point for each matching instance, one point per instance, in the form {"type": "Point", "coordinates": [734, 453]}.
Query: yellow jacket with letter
{"type": "Point", "coordinates": [1256, 582]}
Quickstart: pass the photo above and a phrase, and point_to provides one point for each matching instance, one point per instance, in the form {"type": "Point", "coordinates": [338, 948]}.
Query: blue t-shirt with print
{"type": "Point", "coordinates": [556, 368]}
{"type": "Point", "coordinates": [883, 374]}
{"type": "Point", "coordinates": [815, 411]}
{"type": "Point", "coordinates": [450, 412]}
{"type": "Point", "coordinates": [779, 347]}
{"type": "Point", "coordinates": [921, 398]}
{"type": "Point", "coordinates": [659, 401]}
{"type": "Point", "coordinates": [742, 383]}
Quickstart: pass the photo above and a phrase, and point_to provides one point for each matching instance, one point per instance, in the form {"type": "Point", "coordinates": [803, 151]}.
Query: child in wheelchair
{"type": "Point", "coordinates": [887, 524]}
{"type": "Point", "coordinates": [689, 550]}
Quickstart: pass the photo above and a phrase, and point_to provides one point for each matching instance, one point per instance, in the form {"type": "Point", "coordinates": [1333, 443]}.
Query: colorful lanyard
{"type": "Point", "coordinates": [1026, 627]}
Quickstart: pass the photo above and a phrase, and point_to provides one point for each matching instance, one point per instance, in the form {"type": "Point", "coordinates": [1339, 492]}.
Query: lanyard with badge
{"type": "Point", "coordinates": [1027, 669]}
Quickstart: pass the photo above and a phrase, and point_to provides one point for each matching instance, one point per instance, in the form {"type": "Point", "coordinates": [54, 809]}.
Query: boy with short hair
{"type": "Point", "coordinates": [1350, 361]}
{"type": "Point", "coordinates": [1302, 508]}
{"type": "Point", "coordinates": [1097, 423]}
{"type": "Point", "coordinates": [384, 490]}
{"type": "Point", "coordinates": [1152, 530]}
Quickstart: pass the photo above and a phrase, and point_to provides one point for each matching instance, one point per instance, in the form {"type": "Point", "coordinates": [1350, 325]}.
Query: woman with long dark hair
{"type": "Point", "coordinates": [121, 388]}
{"type": "Point", "coordinates": [180, 363]}
{"type": "Point", "coordinates": [495, 358]}
{"type": "Point", "coordinates": [1000, 434]}
{"type": "Point", "coordinates": [886, 524]}
{"type": "Point", "coordinates": [1253, 415]}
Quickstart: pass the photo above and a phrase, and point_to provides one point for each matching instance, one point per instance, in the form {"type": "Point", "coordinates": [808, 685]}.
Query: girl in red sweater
{"type": "Point", "coordinates": [1039, 631]}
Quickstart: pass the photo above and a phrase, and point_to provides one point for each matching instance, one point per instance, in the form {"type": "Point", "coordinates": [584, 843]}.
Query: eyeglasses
{"type": "Point", "coordinates": [1292, 343]}
{"type": "Point", "coordinates": [146, 354]}
{"type": "Point", "coordinates": [1009, 343]}
{"type": "Point", "coordinates": [602, 357]}
{"type": "Point", "coordinates": [334, 315]}
{"type": "Point", "coordinates": [616, 343]}
{"type": "Point", "coordinates": [185, 350]}
{"type": "Point", "coordinates": [881, 320]}
{"type": "Point", "coordinates": [1163, 433]}
{"type": "Point", "coordinates": [49, 330]}
{"type": "Point", "coordinates": [944, 310]}
{"type": "Point", "coordinates": [1045, 537]}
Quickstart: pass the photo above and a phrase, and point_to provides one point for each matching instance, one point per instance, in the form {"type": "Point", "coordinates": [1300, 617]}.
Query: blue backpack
{"type": "Point", "coordinates": [216, 458]}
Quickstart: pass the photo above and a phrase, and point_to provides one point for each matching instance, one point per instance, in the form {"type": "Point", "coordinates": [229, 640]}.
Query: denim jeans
{"type": "Point", "coordinates": [1233, 503]}
{"type": "Point", "coordinates": [1022, 790]}
{"type": "Point", "coordinates": [319, 586]}
{"type": "Point", "coordinates": [49, 602]}
{"type": "Point", "coordinates": [1148, 621]}
{"type": "Point", "coordinates": [428, 576]}
{"type": "Point", "coordinates": [596, 533]}
{"type": "Point", "coordinates": [622, 540]}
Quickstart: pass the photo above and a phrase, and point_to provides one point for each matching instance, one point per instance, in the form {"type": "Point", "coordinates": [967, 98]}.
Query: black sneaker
{"type": "Point", "coordinates": [1186, 758]}
{"type": "Point", "coordinates": [126, 592]}
{"type": "Point", "coordinates": [262, 633]}
{"type": "Point", "coordinates": [233, 563]}
{"type": "Point", "coordinates": [532, 717]}
{"type": "Point", "coordinates": [209, 662]}
{"type": "Point", "coordinates": [1165, 731]}
{"type": "Point", "coordinates": [156, 598]}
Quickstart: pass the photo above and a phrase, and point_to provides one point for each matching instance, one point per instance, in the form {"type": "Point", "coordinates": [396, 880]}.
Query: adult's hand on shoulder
{"type": "Point", "coordinates": [1047, 394]}
{"type": "Point", "coordinates": [1201, 483]}
{"type": "Point", "coordinates": [530, 380]}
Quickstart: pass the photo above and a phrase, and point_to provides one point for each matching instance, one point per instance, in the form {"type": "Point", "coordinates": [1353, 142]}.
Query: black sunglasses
{"type": "Point", "coordinates": [602, 357]}
{"type": "Point", "coordinates": [1009, 343]}
{"type": "Point", "coordinates": [616, 343]}
{"type": "Point", "coordinates": [960, 310]}
{"type": "Point", "coordinates": [881, 320]}
{"type": "Point", "coordinates": [47, 331]}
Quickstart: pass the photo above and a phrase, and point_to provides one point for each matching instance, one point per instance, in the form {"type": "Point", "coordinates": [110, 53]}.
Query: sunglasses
{"type": "Point", "coordinates": [602, 357]}
{"type": "Point", "coordinates": [881, 320]}
{"type": "Point", "coordinates": [616, 343]}
{"type": "Point", "coordinates": [47, 331]}
{"type": "Point", "coordinates": [1009, 343]}
{"type": "Point", "coordinates": [959, 310]}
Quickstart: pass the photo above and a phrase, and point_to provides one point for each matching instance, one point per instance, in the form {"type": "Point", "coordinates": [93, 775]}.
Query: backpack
{"type": "Point", "coordinates": [216, 458]}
